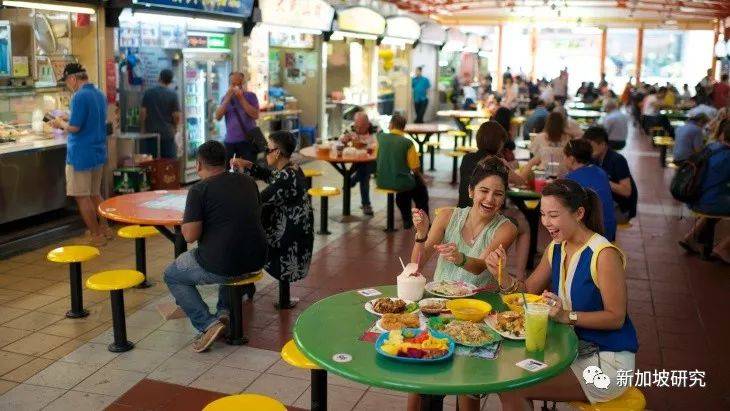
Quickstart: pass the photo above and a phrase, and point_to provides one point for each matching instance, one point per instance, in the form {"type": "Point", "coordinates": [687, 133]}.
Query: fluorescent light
{"type": "Point", "coordinates": [288, 29]}
{"type": "Point", "coordinates": [203, 50]}
{"type": "Point", "coordinates": [190, 21]}
{"type": "Point", "coordinates": [198, 22]}
{"type": "Point", "coordinates": [51, 7]}
{"type": "Point", "coordinates": [363, 36]}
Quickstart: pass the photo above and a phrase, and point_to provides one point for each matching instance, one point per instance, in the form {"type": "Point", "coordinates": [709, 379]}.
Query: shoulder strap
{"type": "Point", "coordinates": [597, 251]}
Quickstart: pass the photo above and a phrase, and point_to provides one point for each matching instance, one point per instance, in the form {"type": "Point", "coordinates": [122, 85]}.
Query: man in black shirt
{"type": "Point", "coordinates": [160, 113]}
{"type": "Point", "coordinates": [223, 214]}
{"type": "Point", "coordinates": [623, 187]}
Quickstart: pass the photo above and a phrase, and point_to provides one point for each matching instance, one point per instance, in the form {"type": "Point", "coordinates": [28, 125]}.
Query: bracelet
{"type": "Point", "coordinates": [463, 262]}
{"type": "Point", "coordinates": [513, 288]}
{"type": "Point", "coordinates": [421, 240]}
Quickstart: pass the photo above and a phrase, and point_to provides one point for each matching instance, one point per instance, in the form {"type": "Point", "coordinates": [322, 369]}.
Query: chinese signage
{"type": "Point", "coordinates": [360, 20]}
{"type": "Point", "coordinates": [308, 14]}
{"type": "Point", "coordinates": [209, 40]}
{"type": "Point", "coordinates": [238, 8]}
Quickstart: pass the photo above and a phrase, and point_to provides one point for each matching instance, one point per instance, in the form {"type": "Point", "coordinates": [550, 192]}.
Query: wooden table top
{"type": "Point", "coordinates": [312, 153]}
{"type": "Point", "coordinates": [417, 128]}
{"type": "Point", "coordinates": [145, 208]}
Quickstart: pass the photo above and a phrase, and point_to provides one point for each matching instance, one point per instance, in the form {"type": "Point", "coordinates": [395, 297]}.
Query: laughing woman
{"type": "Point", "coordinates": [463, 237]}
{"type": "Point", "coordinates": [582, 276]}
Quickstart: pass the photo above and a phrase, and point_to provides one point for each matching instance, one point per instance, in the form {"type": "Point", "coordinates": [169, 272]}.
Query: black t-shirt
{"type": "Point", "coordinates": [160, 102]}
{"type": "Point", "coordinates": [615, 165]}
{"type": "Point", "coordinates": [233, 242]}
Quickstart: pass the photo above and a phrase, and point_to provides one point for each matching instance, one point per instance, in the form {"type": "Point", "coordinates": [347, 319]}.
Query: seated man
{"type": "Point", "coordinates": [578, 156]}
{"type": "Point", "coordinates": [399, 169]}
{"type": "Point", "coordinates": [361, 136]}
{"type": "Point", "coordinates": [616, 124]}
{"type": "Point", "coordinates": [223, 214]}
{"type": "Point", "coordinates": [623, 187]}
{"type": "Point", "coordinates": [690, 138]}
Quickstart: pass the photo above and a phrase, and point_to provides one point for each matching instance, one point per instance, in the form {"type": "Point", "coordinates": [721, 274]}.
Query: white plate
{"type": "Point", "coordinates": [369, 305]}
{"type": "Point", "coordinates": [491, 321]}
{"type": "Point", "coordinates": [421, 319]}
{"type": "Point", "coordinates": [428, 300]}
{"type": "Point", "coordinates": [430, 286]}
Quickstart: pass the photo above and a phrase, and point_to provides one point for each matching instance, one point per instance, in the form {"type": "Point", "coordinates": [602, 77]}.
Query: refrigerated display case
{"type": "Point", "coordinates": [206, 80]}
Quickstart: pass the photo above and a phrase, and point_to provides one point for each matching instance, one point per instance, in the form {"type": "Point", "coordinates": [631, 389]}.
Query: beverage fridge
{"type": "Point", "coordinates": [205, 81]}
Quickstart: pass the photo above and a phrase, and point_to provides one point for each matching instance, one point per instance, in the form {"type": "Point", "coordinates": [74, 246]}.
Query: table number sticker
{"type": "Point", "coordinates": [342, 357]}
{"type": "Point", "coordinates": [531, 365]}
{"type": "Point", "coordinates": [369, 292]}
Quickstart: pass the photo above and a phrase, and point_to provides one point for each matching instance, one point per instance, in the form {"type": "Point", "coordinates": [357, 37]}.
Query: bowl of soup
{"type": "Point", "coordinates": [469, 309]}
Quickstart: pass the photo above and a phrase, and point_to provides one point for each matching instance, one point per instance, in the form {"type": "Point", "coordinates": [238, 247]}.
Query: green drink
{"type": "Point", "coordinates": [536, 322]}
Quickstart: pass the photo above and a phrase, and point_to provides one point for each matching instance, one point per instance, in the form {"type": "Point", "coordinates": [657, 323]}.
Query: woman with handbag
{"type": "Point", "coordinates": [241, 110]}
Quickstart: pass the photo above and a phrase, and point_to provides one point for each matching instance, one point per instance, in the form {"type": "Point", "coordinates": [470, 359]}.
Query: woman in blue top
{"type": "Point", "coordinates": [715, 194]}
{"type": "Point", "coordinates": [582, 276]}
{"type": "Point", "coordinates": [578, 156]}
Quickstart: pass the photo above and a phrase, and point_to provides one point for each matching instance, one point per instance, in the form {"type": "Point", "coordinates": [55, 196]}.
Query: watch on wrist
{"type": "Point", "coordinates": [572, 317]}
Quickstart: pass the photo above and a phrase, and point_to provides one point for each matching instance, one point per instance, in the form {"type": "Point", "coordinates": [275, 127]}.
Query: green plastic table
{"type": "Point", "coordinates": [335, 324]}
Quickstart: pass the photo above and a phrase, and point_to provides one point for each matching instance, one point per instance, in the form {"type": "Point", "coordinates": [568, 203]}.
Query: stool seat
{"type": "Point", "coordinates": [457, 133]}
{"type": "Point", "coordinates": [455, 153]}
{"type": "Point", "coordinates": [72, 254]}
{"type": "Point", "coordinates": [434, 144]}
{"type": "Point", "coordinates": [624, 225]}
{"type": "Point", "coordinates": [245, 402]}
{"type": "Point", "coordinates": [663, 141]}
{"type": "Point", "coordinates": [531, 204]}
{"type": "Point", "coordinates": [291, 354]}
{"type": "Point", "coordinates": [249, 280]}
{"type": "Point", "coordinates": [311, 172]}
{"type": "Point", "coordinates": [114, 280]}
{"type": "Point", "coordinates": [137, 231]}
{"type": "Point", "coordinates": [517, 120]}
{"type": "Point", "coordinates": [324, 191]}
{"type": "Point", "coordinates": [467, 149]}
{"type": "Point", "coordinates": [440, 209]}
{"type": "Point", "coordinates": [631, 400]}
{"type": "Point", "coordinates": [386, 190]}
{"type": "Point", "coordinates": [473, 127]}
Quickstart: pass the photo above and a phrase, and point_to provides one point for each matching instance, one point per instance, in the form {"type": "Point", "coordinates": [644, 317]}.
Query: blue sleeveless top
{"type": "Point", "coordinates": [577, 286]}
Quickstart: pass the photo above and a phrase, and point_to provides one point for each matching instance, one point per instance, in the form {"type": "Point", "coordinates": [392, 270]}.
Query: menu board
{"type": "Point", "coordinates": [151, 61]}
{"type": "Point", "coordinates": [310, 14]}
{"type": "Point", "coordinates": [172, 36]}
{"type": "Point", "coordinates": [149, 34]}
{"type": "Point", "coordinates": [129, 34]}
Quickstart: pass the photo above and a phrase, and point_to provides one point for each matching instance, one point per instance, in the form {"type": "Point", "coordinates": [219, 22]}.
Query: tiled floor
{"type": "Point", "coordinates": [678, 303]}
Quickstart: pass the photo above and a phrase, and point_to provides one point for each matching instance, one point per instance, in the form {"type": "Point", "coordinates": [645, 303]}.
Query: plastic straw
{"type": "Point", "coordinates": [232, 170]}
{"type": "Point", "coordinates": [401, 263]}
{"type": "Point", "coordinates": [499, 272]}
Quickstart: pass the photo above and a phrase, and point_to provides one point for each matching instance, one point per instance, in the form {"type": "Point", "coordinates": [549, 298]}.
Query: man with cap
{"type": "Point", "coordinates": [86, 151]}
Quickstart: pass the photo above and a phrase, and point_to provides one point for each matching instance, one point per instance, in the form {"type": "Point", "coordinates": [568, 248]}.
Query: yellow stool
{"type": "Point", "coordinates": [467, 149]}
{"type": "Point", "coordinates": [440, 209]}
{"type": "Point", "coordinates": [309, 173]}
{"type": "Point", "coordinates": [664, 143]}
{"type": "Point", "coordinates": [531, 204]}
{"type": "Point", "coordinates": [115, 281]}
{"type": "Point", "coordinates": [74, 255]}
{"type": "Point", "coordinates": [245, 402]}
{"type": "Point", "coordinates": [323, 193]}
{"type": "Point", "coordinates": [455, 155]}
{"type": "Point", "coordinates": [235, 301]}
{"type": "Point", "coordinates": [432, 147]}
{"type": "Point", "coordinates": [623, 226]}
{"type": "Point", "coordinates": [457, 134]}
{"type": "Point", "coordinates": [291, 354]}
{"type": "Point", "coordinates": [139, 233]}
{"type": "Point", "coordinates": [390, 216]}
{"type": "Point", "coordinates": [656, 130]}
{"type": "Point", "coordinates": [631, 400]}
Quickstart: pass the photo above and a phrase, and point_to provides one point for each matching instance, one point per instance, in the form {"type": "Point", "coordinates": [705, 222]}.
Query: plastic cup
{"type": "Point", "coordinates": [536, 323]}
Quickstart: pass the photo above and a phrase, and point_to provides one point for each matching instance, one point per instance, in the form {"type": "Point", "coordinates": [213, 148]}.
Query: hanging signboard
{"type": "Point", "coordinates": [402, 27]}
{"type": "Point", "coordinates": [360, 20]}
{"type": "Point", "coordinates": [235, 8]}
{"type": "Point", "coordinates": [307, 14]}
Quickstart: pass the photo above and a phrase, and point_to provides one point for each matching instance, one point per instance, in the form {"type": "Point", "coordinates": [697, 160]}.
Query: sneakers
{"type": "Point", "coordinates": [367, 209]}
{"type": "Point", "coordinates": [206, 339]}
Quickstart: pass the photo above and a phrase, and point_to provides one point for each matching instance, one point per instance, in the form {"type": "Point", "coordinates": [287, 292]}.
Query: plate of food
{"type": "Point", "coordinates": [390, 322]}
{"type": "Point", "coordinates": [415, 345]}
{"type": "Point", "coordinates": [451, 289]}
{"type": "Point", "coordinates": [508, 324]}
{"type": "Point", "coordinates": [433, 306]}
{"type": "Point", "coordinates": [390, 305]}
{"type": "Point", "coordinates": [470, 334]}
{"type": "Point", "coordinates": [516, 303]}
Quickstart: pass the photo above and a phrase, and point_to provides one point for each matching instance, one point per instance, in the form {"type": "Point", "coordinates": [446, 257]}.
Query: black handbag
{"type": "Point", "coordinates": [254, 136]}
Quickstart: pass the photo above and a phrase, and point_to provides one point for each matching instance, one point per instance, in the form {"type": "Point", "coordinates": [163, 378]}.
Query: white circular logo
{"type": "Point", "coordinates": [342, 357]}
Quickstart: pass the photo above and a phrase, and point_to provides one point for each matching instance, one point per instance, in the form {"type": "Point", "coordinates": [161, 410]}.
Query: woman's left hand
{"type": "Point", "coordinates": [240, 164]}
{"type": "Point", "coordinates": [556, 307]}
{"type": "Point", "coordinates": [449, 252]}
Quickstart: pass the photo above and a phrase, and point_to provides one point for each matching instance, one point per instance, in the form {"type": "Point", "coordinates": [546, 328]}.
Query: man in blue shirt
{"type": "Point", "coordinates": [616, 124]}
{"type": "Point", "coordinates": [690, 138]}
{"type": "Point", "coordinates": [536, 122]}
{"type": "Point", "coordinates": [86, 151]}
{"type": "Point", "coordinates": [420, 87]}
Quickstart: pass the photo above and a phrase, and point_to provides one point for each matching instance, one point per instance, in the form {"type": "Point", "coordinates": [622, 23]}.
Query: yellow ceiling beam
{"type": "Point", "coordinates": [684, 24]}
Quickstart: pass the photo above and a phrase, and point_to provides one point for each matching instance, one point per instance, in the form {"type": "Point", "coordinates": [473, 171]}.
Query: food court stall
{"type": "Point", "coordinates": [394, 64]}
{"type": "Point", "coordinates": [425, 55]}
{"type": "Point", "coordinates": [449, 62]}
{"type": "Point", "coordinates": [199, 44]}
{"type": "Point", "coordinates": [352, 65]}
{"type": "Point", "coordinates": [37, 40]}
{"type": "Point", "coordinates": [295, 62]}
